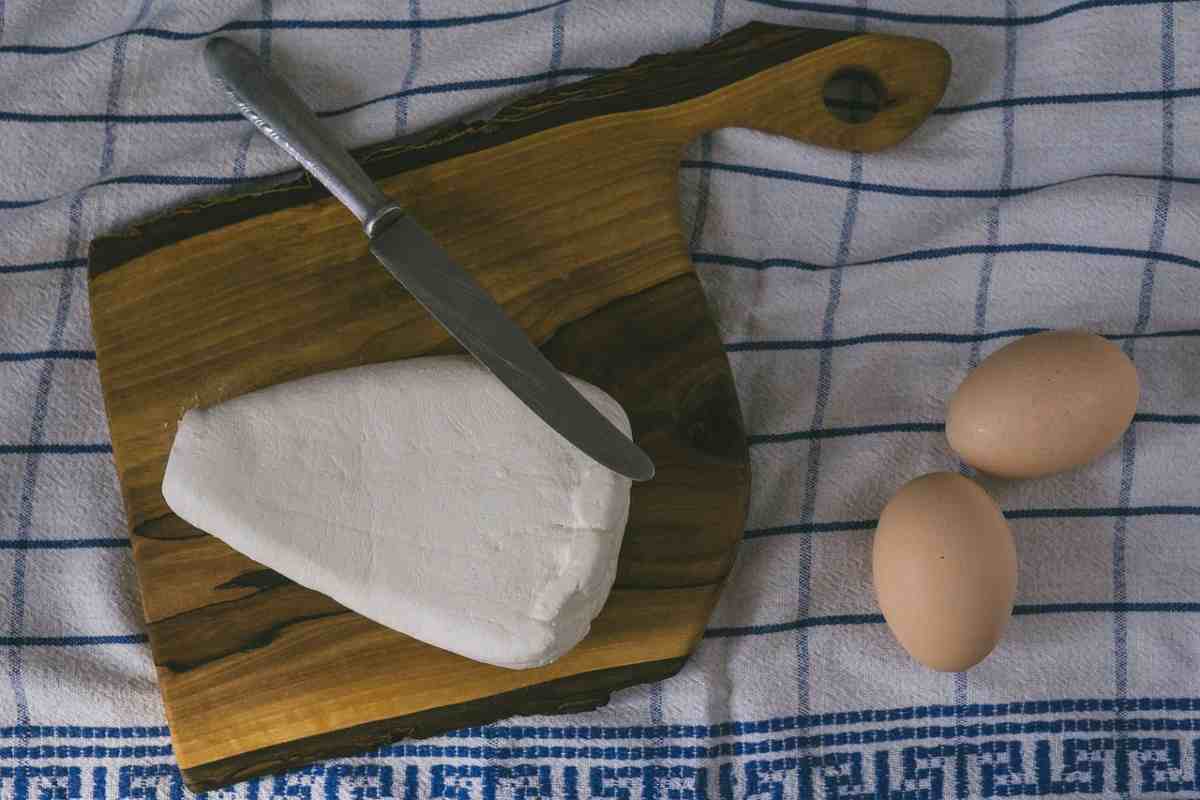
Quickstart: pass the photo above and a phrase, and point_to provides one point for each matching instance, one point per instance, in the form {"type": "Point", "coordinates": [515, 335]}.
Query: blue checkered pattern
{"type": "Point", "coordinates": [1058, 185]}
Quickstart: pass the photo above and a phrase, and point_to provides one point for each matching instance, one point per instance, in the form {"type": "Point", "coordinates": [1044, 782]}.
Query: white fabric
{"type": "Point", "coordinates": [1059, 185]}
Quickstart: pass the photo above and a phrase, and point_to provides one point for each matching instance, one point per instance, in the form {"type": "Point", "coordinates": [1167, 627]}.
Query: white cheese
{"type": "Point", "coordinates": [421, 494]}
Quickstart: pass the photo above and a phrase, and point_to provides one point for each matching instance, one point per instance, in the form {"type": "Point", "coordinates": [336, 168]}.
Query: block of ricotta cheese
{"type": "Point", "coordinates": [421, 494]}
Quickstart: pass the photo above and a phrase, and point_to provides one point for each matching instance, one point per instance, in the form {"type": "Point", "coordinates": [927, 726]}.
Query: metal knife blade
{"type": "Point", "coordinates": [420, 264]}
{"type": "Point", "coordinates": [454, 299]}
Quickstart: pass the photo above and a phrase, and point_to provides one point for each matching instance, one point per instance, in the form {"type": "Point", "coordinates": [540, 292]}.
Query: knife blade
{"type": "Point", "coordinates": [412, 256]}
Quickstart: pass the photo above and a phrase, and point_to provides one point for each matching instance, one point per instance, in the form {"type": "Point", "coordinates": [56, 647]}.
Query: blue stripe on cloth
{"type": "Point", "coordinates": [960, 700]}
{"type": "Point", "coordinates": [264, 53]}
{"type": "Point", "coordinates": [32, 451]}
{"type": "Point", "coordinates": [1101, 511]}
{"type": "Point", "coordinates": [817, 433]}
{"type": "Point", "coordinates": [154, 180]}
{"type": "Point", "coordinates": [557, 37]}
{"type": "Point", "coordinates": [43, 355]}
{"type": "Point", "coordinates": [938, 338]}
{"type": "Point", "coordinates": [1026, 513]}
{"type": "Point", "coordinates": [1170, 419]}
{"type": "Point", "coordinates": [812, 527]}
{"type": "Point", "coordinates": [737, 747]}
{"type": "Point", "coordinates": [55, 751]}
{"type": "Point", "coordinates": [84, 732]}
{"type": "Point", "coordinates": [43, 266]}
{"type": "Point", "coordinates": [437, 88]}
{"type": "Point", "coordinates": [1026, 708]}
{"type": "Point", "coordinates": [266, 11]}
{"type": "Point", "coordinates": [812, 473]}
{"type": "Point", "coordinates": [414, 66]}
{"type": "Point", "coordinates": [771, 345]}
{"type": "Point", "coordinates": [142, 13]}
{"type": "Point", "coordinates": [949, 19]}
{"type": "Point", "coordinates": [746, 748]}
{"type": "Point", "coordinates": [824, 389]}
{"type": "Point", "coordinates": [181, 180]}
{"type": "Point", "coordinates": [113, 103]}
{"type": "Point", "coordinates": [1018, 610]}
{"type": "Point", "coordinates": [789, 744]}
{"type": "Point", "coordinates": [393, 24]}
{"type": "Point", "coordinates": [412, 784]}
{"type": "Point", "coordinates": [935, 253]}
{"type": "Point", "coordinates": [41, 448]}
{"type": "Point", "coordinates": [703, 164]}
{"type": "Point", "coordinates": [63, 544]}
{"type": "Point", "coordinates": [286, 24]}
{"type": "Point", "coordinates": [148, 180]}
{"type": "Point", "coordinates": [1162, 209]}
{"type": "Point", "coordinates": [1090, 98]}
{"type": "Point", "coordinates": [795, 625]}
{"type": "Point", "coordinates": [703, 190]}
{"type": "Point", "coordinates": [912, 191]}
{"type": "Point", "coordinates": [983, 289]}
{"type": "Point", "coordinates": [984, 284]}
{"type": "Point", "coordinates": [920, 427]}
{"type": "Point", "coordinates": [100, 785]}
{"type": "Point", "coordinates": [1075, 707]}
{"type": "Point", "coordinates": [32, 117]}
{"type": "Point", "coordinates": [72, 641]}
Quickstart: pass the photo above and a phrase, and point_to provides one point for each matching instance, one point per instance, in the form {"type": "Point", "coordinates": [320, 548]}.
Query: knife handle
{"type": "Point", "coordinates": [281, 115]}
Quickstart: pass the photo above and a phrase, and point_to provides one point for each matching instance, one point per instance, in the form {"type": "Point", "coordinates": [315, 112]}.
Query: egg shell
{"type": "Point", "coordinates": [945, 570]}
{"type": "Point", "coordinates": [1043, 404]}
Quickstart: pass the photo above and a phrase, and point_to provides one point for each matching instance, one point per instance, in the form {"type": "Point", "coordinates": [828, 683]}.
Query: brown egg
{"type": "Point", "coordinates": [945, 570]}
{"type": "Point", "coordinates": [1043, 404]}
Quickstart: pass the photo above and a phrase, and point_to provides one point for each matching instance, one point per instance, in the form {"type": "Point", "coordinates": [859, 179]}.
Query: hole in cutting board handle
{"type": "Point", "coordinates": [854, 95]}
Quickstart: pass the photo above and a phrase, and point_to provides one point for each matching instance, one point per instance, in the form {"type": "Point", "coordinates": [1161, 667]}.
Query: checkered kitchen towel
{"type": "Point", "coordinates": [1057, 185]}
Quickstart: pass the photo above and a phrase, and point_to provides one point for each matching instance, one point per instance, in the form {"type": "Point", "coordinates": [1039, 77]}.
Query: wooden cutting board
{"type": "Point", "coordinates": [564, 206]}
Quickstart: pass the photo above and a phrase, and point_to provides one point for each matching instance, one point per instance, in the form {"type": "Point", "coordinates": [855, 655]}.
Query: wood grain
{"type": "Point", "coordinates": [563, 207]}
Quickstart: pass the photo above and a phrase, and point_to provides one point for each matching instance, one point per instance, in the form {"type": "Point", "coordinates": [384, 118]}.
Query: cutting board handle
{"type": "Point", "coordinates": [772, 78]}
{"type": "Point", "coordinates": [768, 77]}
{"type": "Point", "coordinates": [834, 89]}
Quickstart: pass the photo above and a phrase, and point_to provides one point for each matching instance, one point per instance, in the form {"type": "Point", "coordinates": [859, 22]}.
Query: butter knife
{"type": "Point", "coordinates": [419, 263]}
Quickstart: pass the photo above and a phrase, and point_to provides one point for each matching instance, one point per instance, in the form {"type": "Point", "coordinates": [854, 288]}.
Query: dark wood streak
{"type": "Point", "coordinates": [184, 642]}
{"type": "Point", "coordinates": [564, 207]}
{"type": "Point", "coordinates": [167, 526]}
{"type": "Point", "coordinates": [258, 579]}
